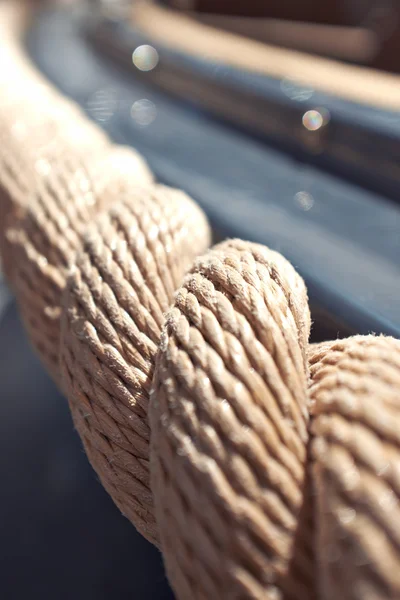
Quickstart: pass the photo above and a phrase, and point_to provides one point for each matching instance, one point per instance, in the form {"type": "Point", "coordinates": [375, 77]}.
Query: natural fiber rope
{"type": "Point", "coordinates": [264, 468]}
{"type": "Point", "coordinates": [133, 259]}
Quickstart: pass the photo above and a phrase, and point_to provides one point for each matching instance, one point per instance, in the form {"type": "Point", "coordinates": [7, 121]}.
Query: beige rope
{"type": "Point", "coordinates": [355, 390]}
{"type": "Point", "coordinates": [229, 425]}
{"type": "Point", "coordinates": [178, 31]}
{"type": "Point", "coordinates": [131, 263]}
{"type": "Point", "coordinates": [263, 468]}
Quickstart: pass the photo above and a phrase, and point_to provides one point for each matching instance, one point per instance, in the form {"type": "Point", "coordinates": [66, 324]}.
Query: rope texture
{"type": "Point", "coordinates": [263, 467]}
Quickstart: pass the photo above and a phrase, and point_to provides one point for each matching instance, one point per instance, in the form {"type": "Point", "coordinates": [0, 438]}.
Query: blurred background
{"type": "Point", "coordinates": [281, 118]}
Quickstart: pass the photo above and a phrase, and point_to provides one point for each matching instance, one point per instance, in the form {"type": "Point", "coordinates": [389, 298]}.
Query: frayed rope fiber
{"type": "Point", "coordinates": [262, 467]}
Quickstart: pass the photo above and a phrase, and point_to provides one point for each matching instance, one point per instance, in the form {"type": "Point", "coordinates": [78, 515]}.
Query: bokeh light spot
{"type": "Point", "coordinates": [143, 112]}
{"type": "Point", "coordinates": [145, 57]}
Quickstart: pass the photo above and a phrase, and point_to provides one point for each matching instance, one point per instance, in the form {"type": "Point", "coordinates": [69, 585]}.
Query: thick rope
{"type": "Point", "coordinates": [229, 424]}
{"type": "Point", "coordinates": [132, 260]}
{"type": "Point", "coordinates": [356, 466]}
{"type": "Point", "coordinates": [262, 467]}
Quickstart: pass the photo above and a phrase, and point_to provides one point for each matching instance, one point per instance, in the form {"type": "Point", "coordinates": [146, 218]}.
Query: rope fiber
{"type": "Point", "coordinates": [262, 466]}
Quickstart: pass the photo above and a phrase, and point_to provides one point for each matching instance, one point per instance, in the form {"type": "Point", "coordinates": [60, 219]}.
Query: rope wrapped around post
{"type": "Point", "coordinates": [262, 467]}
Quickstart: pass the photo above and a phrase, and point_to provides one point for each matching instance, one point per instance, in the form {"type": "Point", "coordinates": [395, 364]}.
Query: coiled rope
{"type": "Point", "coordinates": [263, 467]}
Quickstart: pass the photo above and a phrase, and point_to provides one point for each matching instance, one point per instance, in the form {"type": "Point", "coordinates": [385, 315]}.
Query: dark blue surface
{"type": "Point", "coordinates": [346, 246]}
{"type": "Point", "coordinates": [360, 142]}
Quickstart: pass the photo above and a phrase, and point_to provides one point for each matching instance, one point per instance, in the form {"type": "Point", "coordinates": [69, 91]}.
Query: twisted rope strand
{"type": "Point", "coordinates": [262, 467]}
{"type": "Point", "coordinates": [212, 411]}
{"type": "Point", "coordinates": [356, 466]}
{"type": "Point", "coordinates": [122, 284]}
